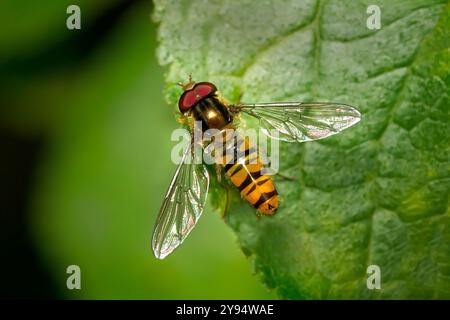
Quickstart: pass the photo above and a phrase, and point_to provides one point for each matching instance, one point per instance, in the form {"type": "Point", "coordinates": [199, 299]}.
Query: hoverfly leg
{"type": "Point", "coordinates": [241, 94]}
{"type": "Point", "coordinates": [280, 175]}
{"type": "Point", "coordinates": [225, 188]}
{"type": "Point", "coordinates": [227, 203]}
{"type": "Point", "coordinates": [236, 108]}
{"type": "Point", "coordinates": [219, 173]}
{"type": "Point", "coordinates": [182, 119]}
{"type": "Point", "coordinates": [284, 177]}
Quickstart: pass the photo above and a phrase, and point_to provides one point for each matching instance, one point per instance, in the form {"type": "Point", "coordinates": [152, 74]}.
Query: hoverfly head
{"type": "Point", "coordinates": [193, 93]}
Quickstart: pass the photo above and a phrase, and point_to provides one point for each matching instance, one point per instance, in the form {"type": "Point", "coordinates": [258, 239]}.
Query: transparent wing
{"type": "Point", "coordinates": [299, 122]}
{"type": "Point", "coordinates": [182, 205]}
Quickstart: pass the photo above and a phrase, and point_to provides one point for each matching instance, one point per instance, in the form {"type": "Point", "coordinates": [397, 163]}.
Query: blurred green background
{"type": "Point", "coordinates": [85, 138]}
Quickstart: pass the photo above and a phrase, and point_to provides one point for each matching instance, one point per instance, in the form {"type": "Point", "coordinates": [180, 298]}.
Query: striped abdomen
{"type": "Point", "coordinates": [244, 167]}
{"type": "Point", "coordinates": [245, 173]}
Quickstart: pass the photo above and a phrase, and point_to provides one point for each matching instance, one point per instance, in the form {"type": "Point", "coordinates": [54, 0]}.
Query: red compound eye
{"type": "Point", "coordinates": [187, 100]}
{"type": "Point", "coordinates": [204, 89]}
{"type": "Point", "coordinates": [190, 97]}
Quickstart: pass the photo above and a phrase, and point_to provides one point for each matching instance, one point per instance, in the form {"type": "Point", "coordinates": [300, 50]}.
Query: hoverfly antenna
{"type": "Point", "coordinates": [187, 86]}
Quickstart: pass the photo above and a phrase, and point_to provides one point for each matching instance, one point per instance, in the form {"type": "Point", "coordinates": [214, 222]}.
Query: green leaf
{"type": "Point", "coordinates": [374, 195]}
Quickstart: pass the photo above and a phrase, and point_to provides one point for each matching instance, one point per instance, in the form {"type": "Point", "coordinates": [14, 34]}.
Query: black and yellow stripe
{"type": "Point", "coordinates": [244, 171]}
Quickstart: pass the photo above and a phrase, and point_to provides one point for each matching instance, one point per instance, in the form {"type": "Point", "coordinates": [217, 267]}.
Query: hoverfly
{"type": "Point", "coordinates": [186, 197]}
